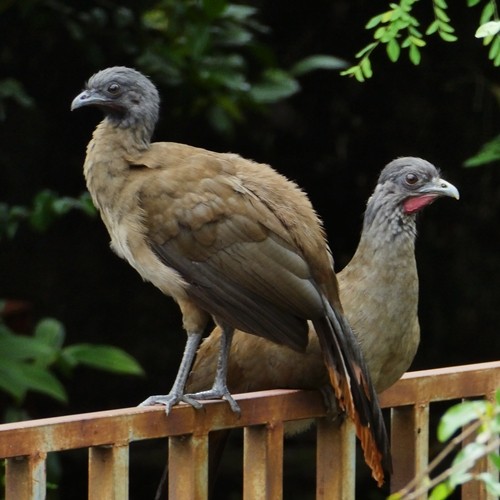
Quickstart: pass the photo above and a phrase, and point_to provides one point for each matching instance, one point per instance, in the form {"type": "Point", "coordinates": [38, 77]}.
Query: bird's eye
{"type": "Point", "coordinates": [411, 179]}
{"type": "Point", "coordinates": [113, 88]}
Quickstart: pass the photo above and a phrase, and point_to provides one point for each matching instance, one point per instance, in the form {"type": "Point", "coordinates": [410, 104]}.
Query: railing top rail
{"type": "Point", "coordinates": [133, 424]}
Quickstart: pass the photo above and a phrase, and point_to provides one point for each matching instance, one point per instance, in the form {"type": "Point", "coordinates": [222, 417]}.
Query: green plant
{"type": "Point", "coordinates": [35, 362]}
{"type": "Point", "coordinates": [46, 207]}
{"type": "Point", "coordinates": [480, 421]}
{"type": "Point", "coordinates": [397, 29]}
{"type": "Point", "coordinates": [212, 48]}
{"type": "Point", "coordinates": [489, 153]}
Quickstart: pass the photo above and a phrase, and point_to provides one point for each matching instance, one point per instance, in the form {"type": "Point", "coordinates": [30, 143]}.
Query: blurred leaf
{"type": "Point", "coordinates": [276, 85]}
{"type": "Point", "coordinates": [20, 347]}
{"type": "Point", "coordinates": [441, 491]}
{"type": "Point", "coordinates": [491, 482]}
{"type": "Point", "coordinates": [490, 152]}
{"type": "Point", "coordinates": [316, 62]}
{"type": "Point", "coordinates": [51, 332]}
{"type": "Point", "coordinates": [460, 415]}
{"type": "Point", "coordinates": [104, 357]}
{"type": "Point", "coordinates": [488, 29]}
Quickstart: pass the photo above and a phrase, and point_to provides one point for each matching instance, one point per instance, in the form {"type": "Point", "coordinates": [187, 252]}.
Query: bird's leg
{"type": "Point", "coordinates": [176, 394]}
{"type": "Point", "coordinates": [219, 388]}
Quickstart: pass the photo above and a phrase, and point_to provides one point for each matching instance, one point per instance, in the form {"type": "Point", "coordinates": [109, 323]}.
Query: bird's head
{"type": "Point", "coordinates": [127, 97]}
{"type": "Point", "coordinates": [406, 186]}
{"type": "Point", "coordinates": [414, 183]}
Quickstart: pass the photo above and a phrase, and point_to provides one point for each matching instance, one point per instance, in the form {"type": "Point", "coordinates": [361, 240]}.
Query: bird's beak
{"type": "Point", "coordinates": [88, 98]}
{"type": "Point", "coordinates": [440, 187]}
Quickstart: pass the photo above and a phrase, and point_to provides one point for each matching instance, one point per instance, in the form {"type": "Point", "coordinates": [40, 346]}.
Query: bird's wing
{"type": "Point", "coordinates": [231, 248]}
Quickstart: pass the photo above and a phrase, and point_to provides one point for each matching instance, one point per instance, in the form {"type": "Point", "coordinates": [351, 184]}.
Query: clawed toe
{"type": "Point", "coordinates": [217, 394]}
{"type": "Point", "coordinates": [170, 400]}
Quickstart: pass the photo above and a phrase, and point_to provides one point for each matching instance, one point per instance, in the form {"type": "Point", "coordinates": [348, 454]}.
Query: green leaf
{"type": "Point", "coordinates": [441, 14]}
{"type": "Point", "coordinates": [488, 13]}
{"type": "Point", "coordinates": [316, 62]}
{"type": "Point", "coordinates": [17, 378]}
{"type": "Point", "coordinates": [374, 21]}
{"type": "Point", "coordinates": [491, 482]}
{"type": "Point", "coordinates": [276, 85]}
{"type": "Point", "coordinates": [460, 415]}
{"type": "Point", "coordinates": [103, 357]}
{"type": "Point", "coordinates": [488, 29]}
{"type": "Point", "coordinates": [447, 37]}
{"type": "Point", "coordinates": [366, 49]}
{"type": "Point", "coordinates": [495, 458]}
{"type": "Point", "coordinates": [434, 26]}
{"type": "Point", "coordinates": [441, 491]}
{"type": "Point", "coordinates": [366, 67]}
{"type": "Point", "coordinates": [415, 55]}
{"type": "Point", "coordinates": [441, 4]}
{"type": "Point", "coordinates": [51, 332]}
{"type": "Point", "coordinates": [472, 3]}
{"type": "Point", "coordinates": [393, 50]}
{"type": "Point", "coordinates": [21, 347]}
{"type": "Point", "coordinates": [490, 152]}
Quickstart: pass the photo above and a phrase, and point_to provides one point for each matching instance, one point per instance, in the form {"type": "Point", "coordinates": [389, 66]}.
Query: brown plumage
{"type": "Point", "coordinates": [378, 289]}
{"type": "Point", "coordinates": [227, 238]}
{"type": "Point", "coordinates": [379, 293]}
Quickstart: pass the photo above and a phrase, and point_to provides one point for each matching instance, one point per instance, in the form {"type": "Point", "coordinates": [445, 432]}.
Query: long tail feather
{"type": "Point", "coordinates": [354, 390]}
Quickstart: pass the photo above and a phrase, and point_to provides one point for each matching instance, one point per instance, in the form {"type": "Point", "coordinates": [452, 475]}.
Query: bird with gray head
{"type": "Point", "coordinates": [227, 238]}
{"type": "Point", "coordinates": [378, 289]}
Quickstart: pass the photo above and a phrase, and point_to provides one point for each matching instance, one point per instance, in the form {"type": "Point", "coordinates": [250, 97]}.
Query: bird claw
{"type": "Point", "coordinates": [330, 401]}
{"type": "Point", "coordinates": [170, 400]}
{"type": "Point", "coordinates": [216, 393]}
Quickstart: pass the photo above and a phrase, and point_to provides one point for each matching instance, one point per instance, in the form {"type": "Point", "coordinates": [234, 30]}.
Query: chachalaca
{"type": "Point", "coordinates": [225, 237]}
{"type": "Point", "coordinates": [378, 290]}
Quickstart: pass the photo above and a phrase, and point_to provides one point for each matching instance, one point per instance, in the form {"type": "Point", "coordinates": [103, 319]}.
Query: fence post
{"type": "Point", "coordinates": [108, 472]}
{"type": "Point", "coordinates": [25, 477]}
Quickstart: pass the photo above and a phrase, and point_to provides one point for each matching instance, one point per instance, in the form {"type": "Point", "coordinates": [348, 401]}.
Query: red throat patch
{"type": "Point", "coordinates": [416, 203]}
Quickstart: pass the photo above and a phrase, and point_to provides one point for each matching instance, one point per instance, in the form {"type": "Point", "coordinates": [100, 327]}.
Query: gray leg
{"type": "Point", "coordinates": [219, 388]}
{"type": "Point", "coordinates": [176, 394]}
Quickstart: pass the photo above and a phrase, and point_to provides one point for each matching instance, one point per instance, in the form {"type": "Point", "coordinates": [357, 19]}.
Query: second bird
{"type": "Point", "coordinates": [227, 238]}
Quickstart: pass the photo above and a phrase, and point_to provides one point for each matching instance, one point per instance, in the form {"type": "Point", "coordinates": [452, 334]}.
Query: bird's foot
{"type": "Point", "coordinates": [217, 393]}
{"type": "Point", "coordinates": [170, 400]}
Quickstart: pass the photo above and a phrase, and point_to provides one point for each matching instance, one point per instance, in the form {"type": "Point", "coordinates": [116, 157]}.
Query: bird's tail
{"type": "Point", "coordinates": [354, 390]}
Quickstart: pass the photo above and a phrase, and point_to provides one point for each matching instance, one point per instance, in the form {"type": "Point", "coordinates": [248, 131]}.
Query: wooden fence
{"type": "Point", "coordinates": [108, 434]}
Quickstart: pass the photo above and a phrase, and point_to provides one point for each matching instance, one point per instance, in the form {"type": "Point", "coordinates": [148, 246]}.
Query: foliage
{"type": "Point", "coordinates": [213, 46]}
{"type": "Point", "coordinates": [46, 207]}
{"type": "Point", "coordinates": [480, 420]}
{"type": "Point", "coordinates": [399, 29]}
{"type": "Point", "coordinates": [13, 90]}
{"type": "Point", "coordinates": [29, 363]}
{"type": "Point", "coordinates": [489, 153]}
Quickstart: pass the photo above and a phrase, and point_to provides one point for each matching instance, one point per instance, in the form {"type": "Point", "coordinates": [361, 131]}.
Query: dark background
{"type": "Point", "coordinates": [333, 138]}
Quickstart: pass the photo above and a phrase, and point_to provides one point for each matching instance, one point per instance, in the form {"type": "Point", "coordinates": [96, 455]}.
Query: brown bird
{"type": "Point", "coordinates": [378, 290]}
{"type": "Point", "coordinates": [225, 237]}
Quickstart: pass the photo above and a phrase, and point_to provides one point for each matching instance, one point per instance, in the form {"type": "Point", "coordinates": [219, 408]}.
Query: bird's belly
{"type": "Point", "coordinates": [128, 242]}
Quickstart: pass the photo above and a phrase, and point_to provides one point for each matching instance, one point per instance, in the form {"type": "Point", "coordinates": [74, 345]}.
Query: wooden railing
{"type": "Point", "coordinates": [108, 434]}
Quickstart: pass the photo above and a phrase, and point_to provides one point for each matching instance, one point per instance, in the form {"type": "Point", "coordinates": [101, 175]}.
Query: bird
{"type": "Point", "coordinates": [228, 239]}
{"type": "Point", "coordinates": [379, 292]}
{"type": "Point", "coordinates": [378, 289]}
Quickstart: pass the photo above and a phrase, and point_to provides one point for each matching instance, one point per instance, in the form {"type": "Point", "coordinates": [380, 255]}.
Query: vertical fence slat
{"type": "Point", "coordinates": [25, 477]}
{"type": "Point", "coordinates": [409, 443]}
{"type": "Point", "coordinates": [188, 467]}
{"type": "Point", "coordinates": [335, 460]}
{"type": "Point", "coordinates": [263, 462]}
{"type": "Point", "coordinates": [476, 490]}
{"type": "Point", "coordinates": [108, 472]}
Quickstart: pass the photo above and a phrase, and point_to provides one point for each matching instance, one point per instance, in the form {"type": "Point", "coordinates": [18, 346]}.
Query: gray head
{"type": "Point", "coordinates": [127, 97]}
{"type": "Point", "coordinates": [405, 186]}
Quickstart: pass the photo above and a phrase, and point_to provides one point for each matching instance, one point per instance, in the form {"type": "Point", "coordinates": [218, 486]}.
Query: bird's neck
{"type": "Point", "coordinates": [108, 161]}
{"type": "Point", "coordinates": [388, 239]}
